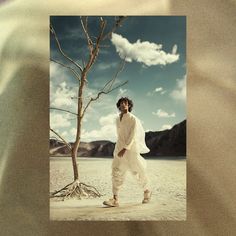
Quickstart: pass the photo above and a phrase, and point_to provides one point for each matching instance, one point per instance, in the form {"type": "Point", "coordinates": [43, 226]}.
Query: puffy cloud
{"type": "Point", "coordinates": [61, 96]}
{"type": "Point", "coordinates": [174, 49]}
{"type": "Point", "coordinates": [73, 131]}
{"type": "Point", "coordinates": [59, 120]}
{"type": "Point", "coordinates": [166, 126]}
{"type": "Point", "coordinates": [164, 114]}
{"type": "Point", "coordinates": [60, 89]}
{"type": "Point", "coordinates": [179, 93]}
{"type": "Point", "coordinates": [107, 130]}
{"type": "Point", "coordinates": [144, 52]}
{"type": "Point", "coordinates": [156, 90]}
{"type": "Point", "coordinates": [107, 120]}
{"type": "Point", "coordinates": [57, 73]}
{"type": "Point", "coordinates": [64, 134]}
{"type": "Point", "coordinates": [122, 92]}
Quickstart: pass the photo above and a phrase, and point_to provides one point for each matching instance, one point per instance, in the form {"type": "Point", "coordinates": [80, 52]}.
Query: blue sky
{"type": "Point", "coordinates": [155, 68]}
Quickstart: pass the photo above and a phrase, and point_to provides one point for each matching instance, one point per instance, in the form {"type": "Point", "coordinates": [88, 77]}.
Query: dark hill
{"type": "Point", "coordinates": [161, 143]}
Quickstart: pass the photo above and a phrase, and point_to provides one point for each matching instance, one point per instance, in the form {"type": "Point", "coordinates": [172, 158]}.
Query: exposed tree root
{"type": "Point", "coordinates": [77, 190]}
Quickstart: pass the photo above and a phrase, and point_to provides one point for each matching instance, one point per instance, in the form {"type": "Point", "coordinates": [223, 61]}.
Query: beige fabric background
{"type": "Point", "coordinates": [211, 111]}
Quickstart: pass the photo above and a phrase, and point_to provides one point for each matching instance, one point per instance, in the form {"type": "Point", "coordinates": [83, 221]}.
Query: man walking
{"type": "Point", "coordinates": [130, 143]}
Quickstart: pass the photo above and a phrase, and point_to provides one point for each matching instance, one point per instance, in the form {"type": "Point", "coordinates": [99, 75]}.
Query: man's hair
{"type": "Point", "coordinates": [122, 99]}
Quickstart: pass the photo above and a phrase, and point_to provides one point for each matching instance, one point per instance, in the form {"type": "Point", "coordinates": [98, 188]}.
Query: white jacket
{"type": "Point", "coordinates": [130, 134]}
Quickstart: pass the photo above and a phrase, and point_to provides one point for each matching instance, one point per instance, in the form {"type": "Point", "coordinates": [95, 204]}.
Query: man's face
{"type": "Point", "coordinates": [124, 106]}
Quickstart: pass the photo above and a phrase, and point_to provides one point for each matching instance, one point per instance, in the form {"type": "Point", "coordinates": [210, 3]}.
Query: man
{"type": "Point", "coordinates": [130, 143]}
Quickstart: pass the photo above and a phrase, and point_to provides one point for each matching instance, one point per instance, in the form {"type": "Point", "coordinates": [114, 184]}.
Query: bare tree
{"type": "Point", "coordinates": [80, 72]}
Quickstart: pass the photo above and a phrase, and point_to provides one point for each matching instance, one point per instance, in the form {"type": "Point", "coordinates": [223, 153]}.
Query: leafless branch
{"type": "Point", "coordinates": [116, 25]}
{"type": "Point", "coordinates": [87, 97]}
{"type": "Point", "coordinates": [59, 109]}
{"type": "Point", "coordinates": [54, 137]}
{"type": "Point", "coordinates": [94, 48]}
{"type": "Point", "coordinates": [61, 51]}
{"type": "Point", "coordinates": [98, 41]}
{"type": "Point", "coordinates": [69, 67]}
{"type": "Point", "coordinates": [64, 141]}
{"type": "Point", "coordinates": [72, 118]}
{"type": "Point", "coordinates": [85, 29]}
{"type": "Point", "coordinates": [106, 90]}
{"type": "Point", "coordinates": [118, 86]}
{"type": "Point", "coordinates": [99, 94]}
{"type": "Point", "coordinates": [111, 82]}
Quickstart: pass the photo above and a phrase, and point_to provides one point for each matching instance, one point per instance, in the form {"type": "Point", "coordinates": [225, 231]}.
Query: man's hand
{"type": "Point", "coordinates": [121, 153]}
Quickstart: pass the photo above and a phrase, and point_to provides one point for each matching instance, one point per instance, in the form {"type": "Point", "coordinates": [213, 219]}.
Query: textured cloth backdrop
{"type": "Point", "coordinates": [24, 117]}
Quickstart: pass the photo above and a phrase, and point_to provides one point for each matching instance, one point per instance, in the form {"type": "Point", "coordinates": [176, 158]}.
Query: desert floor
{"type": "Point", "coordinates": [167, 177]}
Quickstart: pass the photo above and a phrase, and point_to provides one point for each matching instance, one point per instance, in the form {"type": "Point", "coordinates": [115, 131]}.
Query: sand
{"type": "Point", "coordinates": [168, 179]}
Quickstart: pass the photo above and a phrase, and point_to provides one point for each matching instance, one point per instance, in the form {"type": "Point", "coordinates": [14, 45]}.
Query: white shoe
{"type": "Point", "coordinates": [111, 203]}
{"type": "Point", "coordinates": [147, 196]}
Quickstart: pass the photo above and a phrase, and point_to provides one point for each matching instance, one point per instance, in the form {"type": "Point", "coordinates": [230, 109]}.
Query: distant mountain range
{"type": "Point", "coordinates": [161, 143]}
{"type": "Point", "coordinates": [167, 142]}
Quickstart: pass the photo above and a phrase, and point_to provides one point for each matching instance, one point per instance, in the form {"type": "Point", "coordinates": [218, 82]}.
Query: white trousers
{"type": "Point", "coordinates": [133, 162]}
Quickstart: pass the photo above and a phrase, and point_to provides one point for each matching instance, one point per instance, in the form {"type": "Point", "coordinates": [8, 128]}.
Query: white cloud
{"type": "Point", "coordinates": [57, 73]}
{"type": "Point", "coordinates": [52, 134]}
{"type": "Point", "coordinates": [164, 114]}
{"type": "Point", "coordinates": [164, 127]}
{"type": "Point", "coordinates": [73, 131]}
{"type": "Point", "coordinates": [179, 93]}
{"type": "Point", "coordinates": [156, 90]}
{"type": "Point", "coordinates": [122, 91]}
{"type": "Point", "coordinates": [59, 120]}
{"type": "Point", "coordinates": [91, 135]}
{"type": "Point", "coordinates": [107, 120]}
{"type": "Point", "coordinates": [107, 130]}
{"type": "Point", "coordinates": [144, 52]}
{"type": "Point", "coordinates": [64, 134]}
{"type": "Point", "coordinates": [54, 69]}
{"type": "Point", "coordinates": [174, 49]}
{"type": "Point", "coordinates": [61, 89]}
{"type": "Point", "coordinates": [61, 96]}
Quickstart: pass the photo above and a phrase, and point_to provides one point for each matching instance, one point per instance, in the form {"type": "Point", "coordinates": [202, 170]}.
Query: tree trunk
{"type": "Point", "coordinates": [74, 163]}
{"type": "Point", "coordinates": [79, 120]}
{"type": "Point", "coordinates": [75, 150]}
